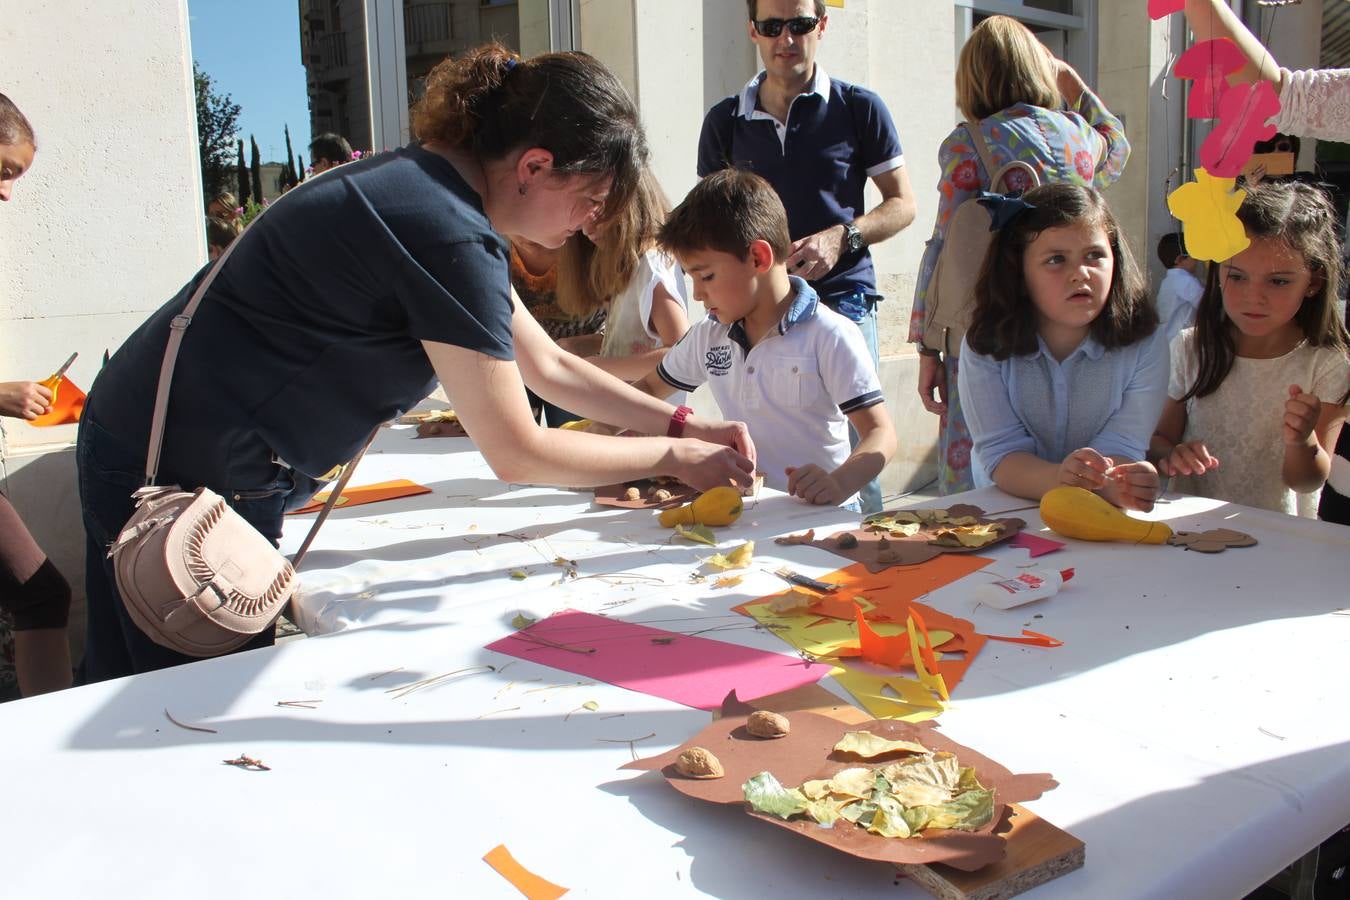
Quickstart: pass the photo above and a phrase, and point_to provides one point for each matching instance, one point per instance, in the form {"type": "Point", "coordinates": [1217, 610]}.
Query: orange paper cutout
{"type": "Point", "coordinates": [366, 493]}
{"type": "Point", "coordinates": [523, 880]}
{"type": "Point", "coordinates": [925, 663]}
{"type": "Point", "coordinates": [1034, 638]}
{"type": "Point", "coordinates": [67, 403]}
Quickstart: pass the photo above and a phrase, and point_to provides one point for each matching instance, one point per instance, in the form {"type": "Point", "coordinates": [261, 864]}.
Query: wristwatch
{"type": "Point", "coordinates": [853, 239]}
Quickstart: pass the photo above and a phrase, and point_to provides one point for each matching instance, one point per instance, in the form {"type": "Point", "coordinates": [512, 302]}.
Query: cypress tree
{"type": "Point", "coordinates": [241, 173]}
{"type": "Point", "coordinates": [255, 170]}
{"type": "Point", "coordinates": [300, 167]}
{"type": "Point", "coordinates": [291, 180]}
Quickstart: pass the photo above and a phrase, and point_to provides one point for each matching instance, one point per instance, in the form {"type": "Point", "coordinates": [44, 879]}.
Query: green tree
{"type": "Point", "coordinates": [255, 170]}
{"type": "Point", "coordinates": [291, 179]}
{"type": "Point", "coordinates": [217, 122]}
{"type": "Point", "coordinates": [242, 175]}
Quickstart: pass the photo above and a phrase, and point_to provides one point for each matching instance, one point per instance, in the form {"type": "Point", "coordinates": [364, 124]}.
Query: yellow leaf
{"type": "Point", "coordinates": [736, 559]}
{"type": "Point", "coordinates": [869, 746]}
{"type": "Point", "coordinates": [728, 581]}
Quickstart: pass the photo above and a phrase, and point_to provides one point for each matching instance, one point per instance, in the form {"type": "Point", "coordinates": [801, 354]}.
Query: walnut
{"type": "Point", "coordinates": [765, 724]}
{"type": "Point", "coordinates": [887, 557]}
{"type": "Point", "coordinates": [632, 494]}
{"type": "Point", "coordinates": [661, 495]}
{"type": "Point", "coordinates": [698, 763]}
{"type": "Point", "coordinates": [847, 541]}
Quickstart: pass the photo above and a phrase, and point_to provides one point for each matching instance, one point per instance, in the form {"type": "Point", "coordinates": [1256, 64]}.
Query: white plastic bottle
{"type": "Point", "coordinates": [1014, 587]}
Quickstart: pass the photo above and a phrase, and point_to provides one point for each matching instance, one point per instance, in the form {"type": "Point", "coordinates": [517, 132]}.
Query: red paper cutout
{"type": "Point", "coordinates": [1243, 115]}
{"type": "Point", "coordinates": [1035, 545]}
{"type": "Point", "coordinates": [1159, 9]}
{"type": "Point", "coordinates": [1208, 63]}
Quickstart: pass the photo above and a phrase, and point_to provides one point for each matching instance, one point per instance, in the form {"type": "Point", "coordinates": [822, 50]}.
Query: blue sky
{"type": "Point", "coordinates": [251, 50]}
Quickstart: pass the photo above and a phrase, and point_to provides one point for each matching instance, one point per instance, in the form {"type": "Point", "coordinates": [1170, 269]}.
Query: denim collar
{"type": "Point", "coordinates": [803, 307]}
{"type": "Point", "coordinates": [820, 86]}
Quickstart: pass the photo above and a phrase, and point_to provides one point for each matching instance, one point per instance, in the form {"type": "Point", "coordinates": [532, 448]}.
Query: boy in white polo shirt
{"type": "Point", "coordinates": [796, 372]}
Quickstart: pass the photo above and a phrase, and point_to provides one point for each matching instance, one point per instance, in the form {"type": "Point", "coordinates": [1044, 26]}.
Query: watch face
{"type": "Point", "coordinates": [855, 239]}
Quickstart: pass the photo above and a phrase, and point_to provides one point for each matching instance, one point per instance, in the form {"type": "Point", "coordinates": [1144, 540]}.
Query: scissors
{"type": "Point", "coordinates": [61, 371]}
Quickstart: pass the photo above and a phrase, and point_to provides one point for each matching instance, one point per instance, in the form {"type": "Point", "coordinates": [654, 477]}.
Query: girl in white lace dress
{"type": "Point", "coordinates": [616, 264]}
{"type": "Point", "coordinates": [1258, 386]}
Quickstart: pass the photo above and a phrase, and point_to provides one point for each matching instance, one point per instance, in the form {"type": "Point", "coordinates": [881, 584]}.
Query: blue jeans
{"type": "Point", "coordinates": [109, 470]}
{"type": "Point", "coordinates": [861, 308]}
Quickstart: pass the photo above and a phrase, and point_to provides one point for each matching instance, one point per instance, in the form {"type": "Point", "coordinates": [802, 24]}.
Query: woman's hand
{"type": "Point", "coordinates": [1301, 412]}
{"type": "Point", "coordinates": [1132, 485]}
{"type": "Point", "coordinates": [933, 378]}
{"type": "Point", "coordinates": [735, 435]}
{"type": "Point", "coordinates": [704, 466]}
{"type": "Point", "coordinates": [1188, 458]}
{"type": "Point", "coordinates": [1085, 468]}
{"type": "Point", "coordinates": [24, 399]}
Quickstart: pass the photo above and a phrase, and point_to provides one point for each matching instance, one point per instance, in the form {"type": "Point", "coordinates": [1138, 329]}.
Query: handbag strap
{"type": "Point", "coordinates": [177, 326]}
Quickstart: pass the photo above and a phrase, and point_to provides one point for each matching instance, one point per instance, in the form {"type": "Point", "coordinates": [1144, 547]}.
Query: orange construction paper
{"type": "Point", "coordinates": [366, 493]}
{"type": "Point", "coordinates": [1034, 638]}
{"type": "Point", "coordinates": [67, 403]}
{"type": "Point", "coordinates": [889, 592]}
{"type": "Point", "coordinates": [925, 663]}
{"type": "Point", "coordinates": [525, 881]}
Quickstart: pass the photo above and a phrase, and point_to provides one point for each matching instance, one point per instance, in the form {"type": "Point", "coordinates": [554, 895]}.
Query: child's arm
{"type": "Point", "coordinates": [653, 384]}
{"type": "Point", "coordinates": [1310, 426]}
{"type": "Point", "coordinates": [1172, 455]}
{"type": "Point", "coordinates": [668, 320]}
{"type": "Point", "coordinates": [1211, 19]}
{"type": "Point", "coordinates": [876, 446]}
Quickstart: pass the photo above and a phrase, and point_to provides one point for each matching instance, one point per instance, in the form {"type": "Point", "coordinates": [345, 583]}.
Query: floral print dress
{"type": "Point", "coordinates": [1085, 145]}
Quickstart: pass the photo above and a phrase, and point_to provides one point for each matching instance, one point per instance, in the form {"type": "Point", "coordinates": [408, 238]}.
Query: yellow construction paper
{"type": "Point", "coordinates": [931, 680]}
{"type": "Point", "coordinates": [914, 704]}
{"type": "Point", "coordinates": [1207, 208]}
{"type": "Point", "coordinates": [824, 637]}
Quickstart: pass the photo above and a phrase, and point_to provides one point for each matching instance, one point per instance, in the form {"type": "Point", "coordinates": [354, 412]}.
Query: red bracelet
{"type": "Point", "coordinates": [676, 428]}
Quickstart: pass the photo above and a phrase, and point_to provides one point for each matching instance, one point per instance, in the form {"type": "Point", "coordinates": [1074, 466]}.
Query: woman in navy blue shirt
{"type": "Point", "coordinates": [343, 305]}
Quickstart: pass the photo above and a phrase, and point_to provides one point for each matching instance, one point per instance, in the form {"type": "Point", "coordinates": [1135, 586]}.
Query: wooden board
{"type": "Point", "coordinates": [1037, 850]}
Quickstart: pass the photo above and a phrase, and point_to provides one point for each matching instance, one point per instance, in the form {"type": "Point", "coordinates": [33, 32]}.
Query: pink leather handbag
{"type": "Point", "coordinates": [194, 575]}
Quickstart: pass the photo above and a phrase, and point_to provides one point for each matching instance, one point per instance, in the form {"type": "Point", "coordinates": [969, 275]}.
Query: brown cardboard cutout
{"type": "Point", "coordinates": [807, 752]}
{"type": "Point", "coordinates": [434, 423]}
{"type": "Point", "coordinates": [912, 550]}
{"type": "Point", "coordinates": [613, 494]}
{"type": "Point", "coordinates": [1215, 540]}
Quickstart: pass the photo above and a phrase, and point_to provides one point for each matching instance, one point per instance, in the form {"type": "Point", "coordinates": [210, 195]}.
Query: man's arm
{"type": "Point", "coordinates": [816, 254]}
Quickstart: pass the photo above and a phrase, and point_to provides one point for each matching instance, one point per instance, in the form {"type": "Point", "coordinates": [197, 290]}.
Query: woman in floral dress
{"type": "Point", "coordinates": [1029, 107]}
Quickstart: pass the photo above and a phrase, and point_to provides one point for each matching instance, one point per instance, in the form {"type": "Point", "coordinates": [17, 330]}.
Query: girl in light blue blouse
{"type": "Point", "coordinates": [1062, 370]}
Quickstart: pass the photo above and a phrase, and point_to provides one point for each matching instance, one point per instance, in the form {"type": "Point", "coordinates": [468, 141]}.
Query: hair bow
{"type": "Point", "coordinates": [1003, 208]}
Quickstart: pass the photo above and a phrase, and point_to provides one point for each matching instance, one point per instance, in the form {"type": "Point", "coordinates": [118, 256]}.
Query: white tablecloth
{"type": "Point", "coordinates": [1194, 716]}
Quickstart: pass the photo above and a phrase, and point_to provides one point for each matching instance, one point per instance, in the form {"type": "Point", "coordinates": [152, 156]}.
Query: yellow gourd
{"type": "Point", "coordinates": [719, 506]}
{"type": "Point", "coordinates": [1077, 513]}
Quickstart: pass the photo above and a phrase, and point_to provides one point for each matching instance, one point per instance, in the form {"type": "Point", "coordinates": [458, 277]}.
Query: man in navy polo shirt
{"type": "Point", "coordinates": [816, 140]}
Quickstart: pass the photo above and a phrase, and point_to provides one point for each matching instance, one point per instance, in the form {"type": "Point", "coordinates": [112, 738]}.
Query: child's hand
{"type": "Point", "coordinates": [24, 399]}
{"type": "Point", "coordinates": [814, 485]}
{"type": "Point", "coordinates": [1300, 416]}
{"type": "Point", "coordinates": [1084, 468]}
{"type": "Point", "coordinates": [1132, 485]}
{"type": "Point", "coordinates": [1188, 458]}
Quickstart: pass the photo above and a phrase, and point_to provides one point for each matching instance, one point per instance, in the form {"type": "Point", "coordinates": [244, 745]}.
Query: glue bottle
{"type": "Point", "coordinates": [1014, 587]}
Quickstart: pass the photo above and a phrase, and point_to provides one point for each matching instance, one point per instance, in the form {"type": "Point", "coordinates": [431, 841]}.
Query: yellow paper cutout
{"type": "Point", "coordinates": [827, 637]}
{"type": "Point", "coordinates": [1207, 208]}
{"type": "Point", "coordinates": [914, 704]}
{"type": "Point", "coordinates": [932, 680]}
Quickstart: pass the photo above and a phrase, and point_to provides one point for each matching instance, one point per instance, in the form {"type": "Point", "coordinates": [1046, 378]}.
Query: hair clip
{"type": "Point", "coordinates": [1003, 208]}
{"type": "Point", "coordinates": [511, 64]}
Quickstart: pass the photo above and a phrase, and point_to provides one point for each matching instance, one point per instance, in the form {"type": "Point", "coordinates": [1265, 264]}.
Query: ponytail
{"type": "Point", "coordinates": [490, 102]}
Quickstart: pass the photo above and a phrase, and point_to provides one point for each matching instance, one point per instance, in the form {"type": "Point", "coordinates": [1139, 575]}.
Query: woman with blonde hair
{"type": "Point", "coordinates": [1023, 105]}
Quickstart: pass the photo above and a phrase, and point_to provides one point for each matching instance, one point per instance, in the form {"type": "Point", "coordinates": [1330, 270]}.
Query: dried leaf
{"type": "Point", "coordinates": [870, 746]}
{"type": "Point", "coordinates": [794, 601]}
{"type": "Point", "coordinates": [968, 535]}
{"type": "Point", "coordinates": [766, 795]}
{"type": "Point", "coordinates": [857, 782]}
{"type": "Point", "coordinates": [522, 621]}
{"type": "Point", "coordinates": [519, 574]}
{"type": "Point", "coordinates": [700, 533]}
{"type": "Point", "coordinates": [736, 559]}
{"type": "Point", "coordinates": [591, 705]}
{"type": "Point", "coordinates": [804, 537]}
{"type": "Point", "coordinates": [903, 529]}
{"type": "Point", "coordinates": [728, 581]}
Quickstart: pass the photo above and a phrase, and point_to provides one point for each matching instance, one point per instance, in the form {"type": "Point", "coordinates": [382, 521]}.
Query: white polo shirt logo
{"type": "Point", "coordinates": [718, 360]}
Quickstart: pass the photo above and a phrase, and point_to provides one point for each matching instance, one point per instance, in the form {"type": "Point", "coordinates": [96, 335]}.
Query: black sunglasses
{"type": "Point", "coordinates": [799, 25]}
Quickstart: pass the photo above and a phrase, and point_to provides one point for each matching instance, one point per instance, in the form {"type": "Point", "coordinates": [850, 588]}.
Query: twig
{"type": "Point", "coordinates": [406, 689]}
{"type": "Point", "coordinates": [521, 635]}
{"type": "Point", "coordinates": [299, 704]}
{"type": "Point", "coordinates": [1278, 737]}
{"type": "Point", "coordinates": [188, 727]}
{"type": "Point", "coordinates": [559, 687]}
{"type": "Point", "coordinates": [248, 762]}
{"type": "Point", "coordinates": [382, 674]}
{"type": "Point", "coordinates": [630, 742]}
{"type": "Point", "coordinates": [495, 711]}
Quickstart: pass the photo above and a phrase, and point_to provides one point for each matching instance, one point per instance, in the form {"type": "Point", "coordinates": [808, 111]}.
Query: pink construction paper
{"type": "Point", "coordinates": [1038, 546]}
{"type": "Point", "coordinates": [1157, 9]}
{"type": "Point", "coordinates": [694, 671]}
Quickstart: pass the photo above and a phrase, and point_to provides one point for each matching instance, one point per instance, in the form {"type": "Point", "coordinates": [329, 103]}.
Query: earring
{"type": "Point", "coordinates": [522, 187]}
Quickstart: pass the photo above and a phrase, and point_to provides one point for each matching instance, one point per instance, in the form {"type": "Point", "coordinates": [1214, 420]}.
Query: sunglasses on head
{"type": "Point", "coordinates": [799, 25]}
